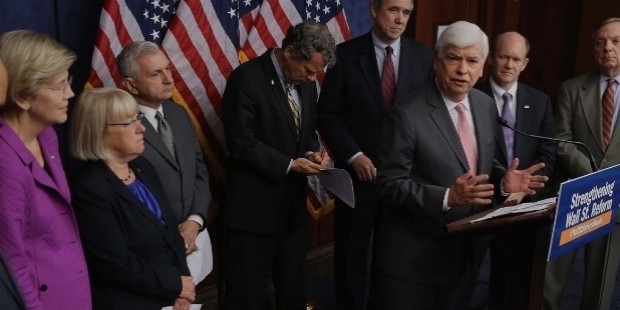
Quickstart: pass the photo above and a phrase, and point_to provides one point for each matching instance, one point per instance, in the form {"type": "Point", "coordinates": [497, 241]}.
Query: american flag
{"type": "Point", "coordinates": [205, 40]}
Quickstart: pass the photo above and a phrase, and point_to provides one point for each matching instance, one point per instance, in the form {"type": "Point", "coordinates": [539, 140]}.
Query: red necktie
{"type": "Point", "coordinates": [466, 134]}
{"type": "Point", "coordinates": [388, 79]}
{"type": "Point", "coordinates": [608, 111]}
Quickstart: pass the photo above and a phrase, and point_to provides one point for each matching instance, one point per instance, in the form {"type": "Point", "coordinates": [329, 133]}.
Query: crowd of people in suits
{"type": "Point", "coordinates": [413, 127]}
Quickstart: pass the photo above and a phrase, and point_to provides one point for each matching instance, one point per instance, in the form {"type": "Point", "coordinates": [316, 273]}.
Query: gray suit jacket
{"type": "Point", "coordinates": [578, 117]}
{"type": "Point", "coordinates": [420, 158]}
{"type": "Point", "coordinates": [185, 181]}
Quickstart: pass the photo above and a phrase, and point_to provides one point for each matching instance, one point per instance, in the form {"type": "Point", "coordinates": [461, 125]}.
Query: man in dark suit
{"type": "Point", "coordinates": [352, 107]}
{"type": "Point", "coordinates": [145, 71]}
{"type": "Point", "coordinates": [436, 165]}
{"type": "Point", "coordinates": [270, 120]}
{"type": "Point", "coordinates": [526, 109]}
{"type": "Point", "coordinates": [580, 117]}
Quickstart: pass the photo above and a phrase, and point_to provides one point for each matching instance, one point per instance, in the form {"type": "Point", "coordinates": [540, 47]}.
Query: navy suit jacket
{"type": "Point", "coordinates": [135, 261]}
{"type": "Point", "coordinates": [262, 140]}
{"type": "Point", "coordinates": [420, 158]}
{"type": "Point", "coordinates": [10, 297]}
{"type": "Point", "coordinates": [351, 108]}
{"type": "Point", "coordinates": [534, 116]}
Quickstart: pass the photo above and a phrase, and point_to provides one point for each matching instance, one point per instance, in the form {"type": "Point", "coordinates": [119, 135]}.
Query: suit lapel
{"type": "Point", "coordinates": [152, 137]}
{"type": "Point", "coordinates": [441, 117]}
{"type": "Point", "coordinates": [277, 90]}
{"type": "Point", "coordinates": [368, 64]}
{"type": "Point", "coordinates": [590, 103]}
{"type": "Point", "coordinates": [406, 69]}
{"type": "Point", "coordinates": [125, 193]}
{"type": "Point", "coordinates": [54, 178]}
{"type": "Point", "coordinates": [523, 119]}
{"type": "Point", "coordinates": [483, 127]}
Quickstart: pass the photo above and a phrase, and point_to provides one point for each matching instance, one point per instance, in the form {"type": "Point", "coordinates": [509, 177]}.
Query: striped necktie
{"type": "Point", "coordinates": [294, 108]}
{"type": "Point", "coordinates": [608, 112]}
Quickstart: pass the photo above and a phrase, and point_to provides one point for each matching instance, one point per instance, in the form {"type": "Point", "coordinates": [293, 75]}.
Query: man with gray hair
{"type": "Point", "coordinates": [587, 111]}
{"type": "Point", "coordinates": [437, 165]}
{"type": "Point", "coordinates": [270, 108]}
{"type": "Point", "coordinates": [171, 142]}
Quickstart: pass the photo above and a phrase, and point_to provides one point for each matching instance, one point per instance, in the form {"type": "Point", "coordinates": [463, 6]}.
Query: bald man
{"type": "Point", "coordinates": [526, 109]}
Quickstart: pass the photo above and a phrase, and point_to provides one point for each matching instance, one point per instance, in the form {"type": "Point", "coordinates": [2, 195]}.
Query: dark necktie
{"type": "Point", "coordinates": [388, 79]}
{"type": "Point", "coordinates": [163, 128]}
{"type": "Point", "coordinates": [466, 134]}
{"type": "Point", "coordinates": [509, 138]}
{"type": "Point", "coordinates": [608, 111]}
{"type": "Point", "coordinates": [294, 107]}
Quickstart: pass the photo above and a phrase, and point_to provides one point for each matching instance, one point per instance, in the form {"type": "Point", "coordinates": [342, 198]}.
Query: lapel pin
{"type": "Point", "coordinates": [526, 107]}
{"type": "Point", "coordinates": [272, 82]}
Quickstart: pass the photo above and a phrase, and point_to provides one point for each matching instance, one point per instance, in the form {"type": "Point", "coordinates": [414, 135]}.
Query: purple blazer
{"type": "Point", "coordinates": [39, 236]}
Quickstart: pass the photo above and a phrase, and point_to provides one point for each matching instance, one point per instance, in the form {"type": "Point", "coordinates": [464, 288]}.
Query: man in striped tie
{"type": "Point", "coordinates": [270, 121]}
{"type": "Point", "coordinates": [587, 112]}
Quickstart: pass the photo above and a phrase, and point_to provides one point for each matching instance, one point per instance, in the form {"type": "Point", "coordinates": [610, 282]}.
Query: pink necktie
{"type": "Point", "coordinates": [466, 134]}
{"type": "Point", "coordinates": [608, 111]}
{"type": "Point", "coordinates": [388, 79]}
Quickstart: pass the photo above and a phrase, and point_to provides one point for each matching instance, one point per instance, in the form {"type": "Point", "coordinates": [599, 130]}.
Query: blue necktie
{"type": "Point", "coordinates": [508, 134]}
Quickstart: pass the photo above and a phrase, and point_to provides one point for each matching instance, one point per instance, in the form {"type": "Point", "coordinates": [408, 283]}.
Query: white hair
{"type": "Point", "coordinates": [463, 34]}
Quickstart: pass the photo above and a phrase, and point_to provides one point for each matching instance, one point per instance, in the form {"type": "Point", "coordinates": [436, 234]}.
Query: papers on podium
{"type": "Point", "coordinates": [338, 182]}
{"type": "Point", "coordinates": [520, 208]}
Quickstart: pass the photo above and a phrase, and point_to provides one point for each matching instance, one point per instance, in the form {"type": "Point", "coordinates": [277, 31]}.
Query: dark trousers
{"type": "Point", "coordinates": [251, 258]}
{"type": "Point", "coordinates": [393, 293]}
{"type": "Point", "coordinates": [353, 229]}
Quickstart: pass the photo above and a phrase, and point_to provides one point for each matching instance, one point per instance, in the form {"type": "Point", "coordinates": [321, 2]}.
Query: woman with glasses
{"type": "Point", "coordinates": [38, 233]}
{"type": "Point", "coordinates": [133, 248]}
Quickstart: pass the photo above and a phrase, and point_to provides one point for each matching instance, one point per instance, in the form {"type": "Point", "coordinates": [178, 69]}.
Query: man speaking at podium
{"type": "Point", "coordinates": [437, 165]}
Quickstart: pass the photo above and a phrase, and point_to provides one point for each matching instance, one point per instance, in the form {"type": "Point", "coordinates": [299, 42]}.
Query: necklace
{"type": "Point", "coordinates": [129, 174]}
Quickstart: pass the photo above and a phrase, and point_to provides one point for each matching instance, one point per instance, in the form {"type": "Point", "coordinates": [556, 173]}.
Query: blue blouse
{"type": "Point", "coordinates": [142, 192]}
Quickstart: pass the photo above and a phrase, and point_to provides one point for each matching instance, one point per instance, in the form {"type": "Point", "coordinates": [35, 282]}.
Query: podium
{"type": "Point", "coordinates": [525, 279]}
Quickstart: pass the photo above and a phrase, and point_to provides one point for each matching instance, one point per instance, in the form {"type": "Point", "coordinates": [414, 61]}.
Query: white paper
{"type": "Point", "coordinates": [338, 182]}
{"type": "Point", "coordinates": [200, 262]}
{"type": "Point", "coordinates": [520, 208]}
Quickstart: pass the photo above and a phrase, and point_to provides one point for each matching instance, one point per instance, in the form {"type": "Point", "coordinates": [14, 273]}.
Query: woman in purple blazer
{"type": "Point", "coordinates": [39, 237]}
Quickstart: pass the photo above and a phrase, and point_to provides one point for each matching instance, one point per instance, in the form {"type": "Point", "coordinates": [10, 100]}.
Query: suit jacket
{"type": "Point", "coordinates": [351, 105]}
{"type": "Point", "coordinates": [420, 158]}
{"type": "Point", "coordinates": [186, 180]}
{"type": "Point", "coordinates": [10, 296]}
{"type": "Point", "coordinates": [136, 262]}
{"type": "Point", "coordinates": [40, 238]}
{"type": "Point", "coordinates": [534, 116]}
{"type": "Point", "coordinates": [261, 137]}
{"type": "Point", "coordinates": [579, 118]}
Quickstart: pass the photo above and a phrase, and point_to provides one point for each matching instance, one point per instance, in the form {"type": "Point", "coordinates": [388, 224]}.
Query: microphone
{"type": "Point", "coordinates": [504, 123]}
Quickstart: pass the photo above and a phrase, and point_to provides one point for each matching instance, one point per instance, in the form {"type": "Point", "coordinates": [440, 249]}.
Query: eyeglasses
{"type": "Point", "coordinates": [66, 85]}
{"type": "Point", "coordinates": [129, 124]}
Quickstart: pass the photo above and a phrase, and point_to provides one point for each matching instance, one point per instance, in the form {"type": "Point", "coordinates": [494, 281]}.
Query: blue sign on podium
{"type": "Point", "coordinates": [587, 209]}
